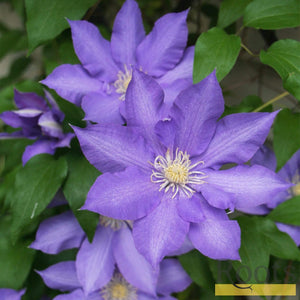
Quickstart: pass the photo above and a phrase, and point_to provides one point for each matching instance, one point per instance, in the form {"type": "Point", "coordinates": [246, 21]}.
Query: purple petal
{"type": "Point", "coordinates": [95, 261]}
{"type": "Point", "coordinates": [290, 170]}
{"type": "Point", "coordinates": [93, 50]}
{"type": "Point", "coordinates": [217, 197]}
{"type": "Point", "coordinates": [39, 147]}
{"type": "Point", "coordinates": [143, 105]}
{"type": "Point", "coordinates": [126, 195]}
{"type": "Point", "coordinates": [128, 32]}
{"type": "Point", "coordinates": [178, 78]}
{"type": "Point", "coordinates": [29, 100]}
{"type": "Point", "coordinates": [72, 82]}
{"type": "Point", "coordinates": [172, 277]}
{"type": "Point", "coordinates": [237, 138]}
{"type": "Point", "coordinates": [163, 47]}
{"type": "Point", "coordinates": [256, 210]}
{"type": "Point", "coordinates": [217, 239]}
{"type": "Point", "coordinates": [166, 131]}
{"type": "Point", "coordinates": [190, 209]}
{"type": "Point", "coordinates": [133, 266]}
{"type": "Point", "coordinates": [160, 232]}
{"type": "Point", "coordinates": [61, 276]}
{"type": "Point", "coordinates": [49, 125]}
{"type": "Point", "coordinates": [9, 294]}
{"type": "Point", "coordinates": [264, 157]}
{"type": "Point", "coordinates": [13, 135]}
{"type": "Point", "coordinates": [291, 230]}
{"type": "Point", "coordinates": [59, 115]}
{"type": "Point", "coordinates": [196, 111]}
{"type": "Point", "coordinates": [64, 141]}
{"type": "Point", "coordinates": [58, 233]}
{"type": "Point", "coordinates": [112, 148]}
{"type": "Point", "coordinates": [251, 186]}
{"type": "Point", "coordinates": [102, 108]}
{"type": "Point", "coordinates": [11, 118]}
{"type": "Point", "coordinates": [79, 295]}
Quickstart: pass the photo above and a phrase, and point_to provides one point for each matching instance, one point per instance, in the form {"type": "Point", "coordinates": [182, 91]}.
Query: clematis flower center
{"type": "Point", "coordinates": [296, 189]}
{"type": "Point", "coordinates": [176, 173]}
{"type": "Point", "coordinates": [121, 84]}
{"type": "Point", "coordinates": [119, 289]}
{"type": "Point", "coordinates": [110, 222]}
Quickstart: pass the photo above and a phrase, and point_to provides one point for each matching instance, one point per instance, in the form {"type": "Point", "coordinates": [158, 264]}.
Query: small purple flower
{"type": "Point", "coordinates": [9, 294]}
{"type": "Point", "coordinates": [108, 267]}
{"type": "Point", "coordinates": [100, 82]}
{"type": "Point", "coordinates": [163, 173]}
{"type": "Point", "coordinates": [38, 120]}
{"type": "Point", "coordinates": [290, 172]}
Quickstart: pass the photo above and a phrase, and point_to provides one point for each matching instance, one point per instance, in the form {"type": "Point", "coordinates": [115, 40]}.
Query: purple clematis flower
{"type": "Point", "coordinates": [108, 268]}
{"type": "Point", "coordinates": [9, 294]}
{"type": "Point", "coordinates": [163, 173]}
{"type": "Point", "coordinates": [100, 82]}
{"type": "Point", "coordinates": [290, 172]}
{"type": "Point", "coordinates": [38, 121]}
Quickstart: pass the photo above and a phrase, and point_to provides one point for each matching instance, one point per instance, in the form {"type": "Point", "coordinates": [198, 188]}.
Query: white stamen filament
{"type": "Point", "coordinates": [176, 174]}
{"type": "Point", "coordinates": [121, 84]}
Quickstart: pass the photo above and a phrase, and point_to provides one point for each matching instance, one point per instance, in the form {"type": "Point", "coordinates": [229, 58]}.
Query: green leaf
{"type": "Point", "coordinates": [286, 136]}
{"type": "Point", "coordinates": [79, 181]}
{"type": "Point", "coordinates": [197, 267]}
{"type": "Point", "coordinates": [45, 21]}
{"type": "Point", "coordinates": [272, 14]}
{"type": "Point", "coordinates": [287, 212]}
{"type": "Point", "coordinates": [254, 253]}
{"type": "Point", "coordinates": [284, 57]}
{"type": "Point", "coordinates": [280, 244]}
{"type": "Point", "coordinates": [230, 11]}
{"type": "Point", "coordinates": [215, 49]}
{"type": "Point", "coordinates": [260, 239]}
{"type": "Point", "coordinates": [36, 185]}
{"type": "Point", "coordinates": [12, 41]}
{"type": "Point", "coordinates": [16, 260]}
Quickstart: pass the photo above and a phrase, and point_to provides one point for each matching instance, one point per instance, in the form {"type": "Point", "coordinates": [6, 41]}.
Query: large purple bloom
{"type": "Point", "coordinates": [163, 172]}
{"type": "Point", "coordinates": [110, 265]}
{"type": "Point", "coordinates": [38, 120]}
{"type": "Point", "coordinates": [290, 172]}
{"type": "Point", "coordinates": [9, 294]}
{"type": "Point", "coordinates": [100, 82]}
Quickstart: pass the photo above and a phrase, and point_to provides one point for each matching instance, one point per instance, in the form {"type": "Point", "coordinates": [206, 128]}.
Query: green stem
{"type": "Point", "coordinates": [272, 101]}
{"type": "Point", "coordinates": [248, 50]}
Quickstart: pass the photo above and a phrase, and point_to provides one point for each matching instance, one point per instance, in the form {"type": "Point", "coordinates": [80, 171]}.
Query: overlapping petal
{"type": "Point", "coordinates": [10, 294]}
{"type": "Point", "coordinates": [112, 148]}
{"type": "Point", "coordinates": [217, 239]}
{"type": "Point", "coordinates": [61, 276]}
{"type": "Point", "coordinates": [50, 126]}
{"type": "Point", "coordinates": [38, 147]}
{"type": "Point", "coordinates": [143, 105]}
{"type": "Point", "coordinates": [237, 138]}
{"type": "Point", "coordinates": [128, 32]}
{"type": "Point", "coordinates": [196, 111]}
{"type": "Point", "coordinates": [163, 47]}
{"type": "Point", "coordinates": [160, 232]}
{"type": "Point", "coordinates": [133, 266]}
{"type": "Point", "coordinates": [172, 277]}
{"type": "Point", "coordinates": [58, 233]}
{"type": "Point", "coordinates": [251, 186]}
{"type": "Point", "coordinates": [72, 82]}
{"type": "Point", "coordinates": [102, 108]}
{"type": "Point", "coordinates": [95, 261]}
{"type": "Point", "coordinates": [126, 195]}
{"type": "Point", "coordinates": [29, 100]}
{"type": "Point", "coordinates": [93, 50]}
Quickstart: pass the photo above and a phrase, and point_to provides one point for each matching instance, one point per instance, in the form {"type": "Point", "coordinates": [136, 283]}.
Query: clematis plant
{"type": "Point", "coordinates": [108, 268]}
{"type": "Point", "coordinates": [290, 172]}
{"type": "Point", "coordinates": [10, 294]}
{"type": "Point", "coordinates": [163, 170]}
{"type": "Point", "coordinates": [38, 120]}
{"type": "Point", "coordinates": [100, 82]}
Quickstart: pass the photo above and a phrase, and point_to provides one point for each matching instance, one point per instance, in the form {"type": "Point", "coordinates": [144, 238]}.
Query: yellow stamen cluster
{"type": "Point", "coordinates": [119, 289]}
{"type": "Point", "coordinates": [176, 174]}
